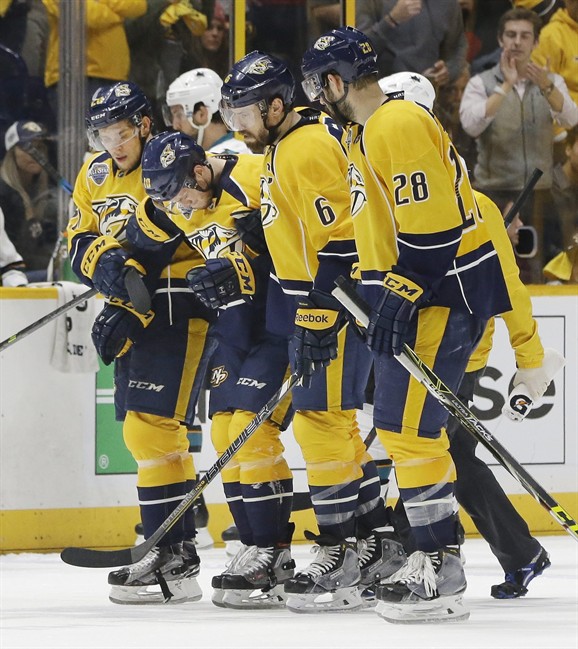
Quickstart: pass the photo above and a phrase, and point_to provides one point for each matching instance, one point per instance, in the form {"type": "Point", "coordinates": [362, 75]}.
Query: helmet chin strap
{"type": "Point", "coordinates": [200, 129]}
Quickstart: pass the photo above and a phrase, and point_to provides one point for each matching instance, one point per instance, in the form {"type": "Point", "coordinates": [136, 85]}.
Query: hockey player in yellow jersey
{"type": "Point", "coordinates": [477, 490]}
{"type": "Point", "coordinates": [211, 204]}
{"type": "Point", "coordinates": [159, 357]}
{"type": "Point", "coordinates": [309, 235]}
{"type": "Point", "coordinates": [432, 276]}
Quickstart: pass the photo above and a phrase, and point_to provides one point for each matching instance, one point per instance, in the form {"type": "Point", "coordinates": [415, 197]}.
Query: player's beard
{"type": "Point", "coordinates": [340, 109]}
{"type": "Point", "coordinates": [256, 141]}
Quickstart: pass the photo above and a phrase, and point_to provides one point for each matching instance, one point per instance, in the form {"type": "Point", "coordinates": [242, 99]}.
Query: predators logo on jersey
{"type": "Point", "coordinates": [357, 189]}
{"type": "Point", "coordinates": [269, 211]}
{"type": "Point", "coordinates": [114, 213]}
{"type": "Point", "coordinates": [212, 240]}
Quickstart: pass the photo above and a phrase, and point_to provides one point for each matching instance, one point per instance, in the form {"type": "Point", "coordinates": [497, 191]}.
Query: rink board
{"type": "Point", "coordinates": [66, 478]}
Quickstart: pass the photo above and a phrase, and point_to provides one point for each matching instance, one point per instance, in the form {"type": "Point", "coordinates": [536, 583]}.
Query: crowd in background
{"type": "Point", "coordinates": [454, 43]}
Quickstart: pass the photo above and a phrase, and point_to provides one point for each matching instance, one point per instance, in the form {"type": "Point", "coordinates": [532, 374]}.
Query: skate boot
{"type": "Point", "coordinates": [330, 582]}
{"type": "Point", "coordinates": [380, 555]}
{"type": "Point", "coordinates": [257, 582]}
{"type": "Point", "coordinates": [230, 568]}
{"type": "Point", "coordinates": [428, 588]}
{"type": "Point", "coordinates": [516, 584]}
{"type": "Point", "coordinates": [166, 575]}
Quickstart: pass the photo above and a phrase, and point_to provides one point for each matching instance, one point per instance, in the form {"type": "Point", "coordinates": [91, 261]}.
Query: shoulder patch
{"type": "Point", "coordinates": [98, 172]}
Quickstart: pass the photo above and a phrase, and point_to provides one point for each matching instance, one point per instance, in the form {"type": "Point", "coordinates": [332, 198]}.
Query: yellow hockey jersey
{"type": "Point", "coordinates": [205, 233]}
{"type": "Point", "coordinates": [305, 205]}
{"type": "Point", "coordinates": [522, 328]}
{"type": "Point", "coordinates": [413, 208]}
{"type": "Point", "coordinates": [104, 199]}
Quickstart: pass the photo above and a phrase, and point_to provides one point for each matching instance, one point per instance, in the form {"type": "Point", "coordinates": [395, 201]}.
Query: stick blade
{"type": "Point", "coordinates": [137, 291]}
{"type": "Point", "coordinates": [86, 558]}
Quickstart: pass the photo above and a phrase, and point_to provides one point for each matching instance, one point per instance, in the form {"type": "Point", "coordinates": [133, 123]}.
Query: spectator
{"type": "Point", "coordinates": [418, 35]}
{"type": "Point", "coordinates": [557, 50]}
{"type": "Point", "coordinates": [565, 184]}
{"type": "Point", "coordinates": [107, 52]}
{"type": "Point", "coordinates": [27, 199]}
{"type": "Point", "coordinates": [12, 266]}
{"type": "Point", "coordinates": [159, 41]}
{"type": "Point", "coordinates": [510, 110]}
{"type": "Point", "coordinates": [211, 48]}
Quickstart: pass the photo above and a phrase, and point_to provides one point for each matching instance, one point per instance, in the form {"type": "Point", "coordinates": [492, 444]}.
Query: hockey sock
{"type": "Point", "coordinates": [238, 512]}
{"type": "Point", "coordinates": [156, 504]}
{"type": "Point", "coordinates": [334, 507]}
{"type": "Point", "coordinates": [268, 507]}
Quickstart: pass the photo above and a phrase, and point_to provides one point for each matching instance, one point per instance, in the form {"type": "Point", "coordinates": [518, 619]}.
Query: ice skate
{"type": "Point", "coordinates": [232, 565]}
{"type": "Point", "coordinates": [380, 555]}
{"type": "Point", "coordinates": [257, 582]}
{"type": "Point", "coordinates": [330, 583]}
{"type": "Point", "coordinates": [166, 575]}
{"type": "Point", "coordinates": [428, 589]}
{"type": "Point", "coordinates": [516, 583]}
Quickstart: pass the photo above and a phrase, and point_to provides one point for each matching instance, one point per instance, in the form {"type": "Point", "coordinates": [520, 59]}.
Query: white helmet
{"type": "Point", "coordinates": [415, 87]}
{"type": "Point", "coordinates": [192, 87]}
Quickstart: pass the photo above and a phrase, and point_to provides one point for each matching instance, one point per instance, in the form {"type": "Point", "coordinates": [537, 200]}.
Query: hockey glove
{"type": "Point", "coordinates": [224, 280]}
{"type": "Point", "coordinates": [393, 313]}
{"type": "Point", "coordinates": [116, 329]}
{"type": "Point", "coordinates": [109, 272]}
{"type": "Point", "coordinates": [250, 229]}
{"type": "Point", "coordinates": [317, 321]}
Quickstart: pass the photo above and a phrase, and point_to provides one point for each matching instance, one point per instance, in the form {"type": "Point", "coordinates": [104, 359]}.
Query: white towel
{"type": "Point", "coordinates": [73, 350]}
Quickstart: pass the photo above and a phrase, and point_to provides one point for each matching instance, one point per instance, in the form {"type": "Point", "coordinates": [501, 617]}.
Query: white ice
{"type": "Point", "coordinates": [46, 604]}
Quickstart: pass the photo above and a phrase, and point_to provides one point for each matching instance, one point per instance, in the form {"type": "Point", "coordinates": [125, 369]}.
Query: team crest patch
{"type": "Point", "coordinates": [218, 376]}
{"type": "Point", "coordinates": [167, 156]}
{"type": "Point", "coordinates": [323, 43]}
{"type": "Point", "coordinates": [259, 67]}
{"type": "Point", "coordinates": [122, 90]}
{"type": "Point", "coordinates": [98, 173]}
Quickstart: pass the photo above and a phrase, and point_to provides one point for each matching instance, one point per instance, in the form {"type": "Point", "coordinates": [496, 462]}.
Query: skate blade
{"type": "Point", "coordinates": [217, 597]}
{"type": "Point", "coordinates": [344, 599]}
{"type": "Point", "coordinates": [185, 590]}
{"type": "Point", "coordinates": [441, 610]}
{"type": "Point", "coordinates": [254, 599]}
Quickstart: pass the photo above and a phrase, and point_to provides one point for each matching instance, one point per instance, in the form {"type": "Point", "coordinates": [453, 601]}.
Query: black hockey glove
{"type": "Point", "coordinates": [393, 313]}
{"type": "Point", "coordinates": [116, 329]}
{"type": "Point", "coordinates": [224, 280]}
{"type": "Point", "coordinates": [317, 321]}
{"type": "Point", "coordinates": [250, 229]}
{"type": "Point", "coordinates": [109, 272]}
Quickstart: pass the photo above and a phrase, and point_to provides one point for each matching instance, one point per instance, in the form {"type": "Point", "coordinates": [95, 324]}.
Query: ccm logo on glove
{"type": "Point", "coordinates": [403, 287]}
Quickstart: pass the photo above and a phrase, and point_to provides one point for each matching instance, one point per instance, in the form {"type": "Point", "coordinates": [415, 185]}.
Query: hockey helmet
{"type": "Point", "coordinates": [257, 78]}
{"type": "Point", "coordinates": [167, 163]}
{"type": "Point", "coordinates": [411, 86]}
{"type": "Point", "coordinates": [191, 88]}
{"type": "Point", "coordinates": [111, 104]}
{"type": "Point", "coordinates": [345, 51]}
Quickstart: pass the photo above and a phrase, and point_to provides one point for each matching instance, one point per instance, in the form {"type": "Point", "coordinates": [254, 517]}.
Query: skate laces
{"type": "Point", "coordinates": [147, 564]}
{"type": "Point", "coordinates": [418, 569]}
{"type": "Point", "coordinates": [238, 559]}
{"type": "Point", "coordinates": [366, 549]}
{"type": "Point", "coordinates": [326, 560]}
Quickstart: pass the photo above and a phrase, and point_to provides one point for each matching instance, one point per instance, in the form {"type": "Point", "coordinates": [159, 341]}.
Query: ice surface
{"type": "Point", "coordinates": [46, 604]}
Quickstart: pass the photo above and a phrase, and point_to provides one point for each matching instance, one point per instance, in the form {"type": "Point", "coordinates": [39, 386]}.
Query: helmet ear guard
{"type": "Point", "coordinates": [167, 162]}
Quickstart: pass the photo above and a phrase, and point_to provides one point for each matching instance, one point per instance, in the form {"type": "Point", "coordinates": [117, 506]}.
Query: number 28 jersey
{"type": "Point", "coordinates": [413, 208]}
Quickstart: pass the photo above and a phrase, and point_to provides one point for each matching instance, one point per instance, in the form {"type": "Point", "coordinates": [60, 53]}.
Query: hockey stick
{"type": "Point", "coordinates": [14, 338]}
{"type": "Point", "coordinates": [86, 558]}
{"type": "Point", "coordinates": [353, 302]}
{"type": "Point", "coordinates": [134, 286]}
{"type": "Point", "coordinates": [522, 196]}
